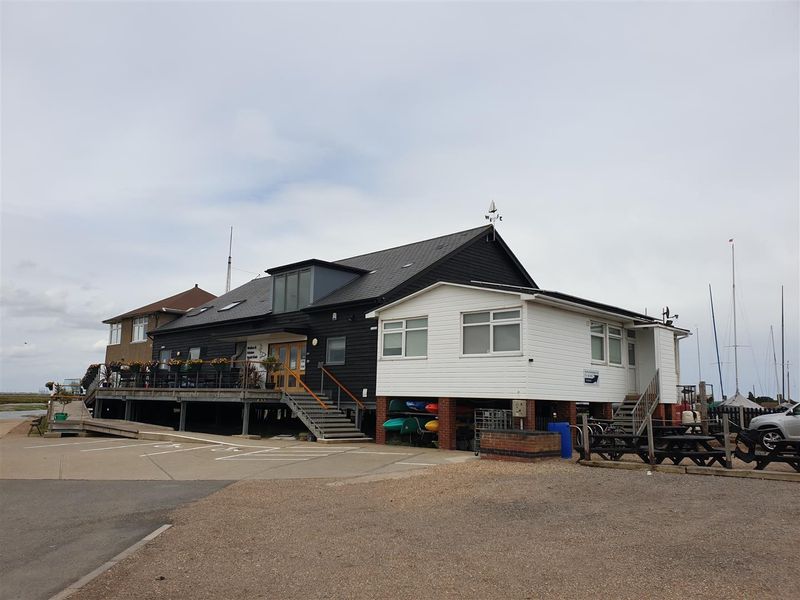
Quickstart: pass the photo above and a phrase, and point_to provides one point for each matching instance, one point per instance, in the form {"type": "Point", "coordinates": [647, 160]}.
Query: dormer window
{"type": "Point", "coordinates": [291, 291]}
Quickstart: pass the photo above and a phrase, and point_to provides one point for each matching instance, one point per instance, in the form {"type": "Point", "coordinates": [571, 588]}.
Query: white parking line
{"type": "Point", "coordinates": [181, 450]}
{"type": "Point", "coordinates": [75, 443]}
{"type": "Point", "coordinates": [245, 454]}
{"type": "Point", "coordinates": [417, 464]}
{"type": "Point", "coordinates": [389, 453]}
{"type": "Point", "coordinates": [256, 458]}
{"type": "Point", "coordinates": [116, 447]}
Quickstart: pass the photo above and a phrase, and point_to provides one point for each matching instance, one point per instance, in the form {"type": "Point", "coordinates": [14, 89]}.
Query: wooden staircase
{"type": "Point", "coordinates": [631, 416]}
{"type": "Point", "coordinates": [327, 424]}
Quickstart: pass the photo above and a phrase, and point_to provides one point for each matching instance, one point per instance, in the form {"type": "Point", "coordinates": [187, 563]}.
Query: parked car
{"type": "Point", "coordinates": [783, 425]}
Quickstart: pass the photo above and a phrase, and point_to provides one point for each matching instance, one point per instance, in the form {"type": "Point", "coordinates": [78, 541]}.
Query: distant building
{"type": "Point", "coordinates": [127, 337]}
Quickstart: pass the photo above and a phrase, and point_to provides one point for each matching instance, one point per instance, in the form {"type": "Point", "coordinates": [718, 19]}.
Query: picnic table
{"type": "Point", "coordinates": [676, 448]}
{"type": "Point", "coordinates": [785, 451]}
{"type": "Point", "coordinates": [611, 446]}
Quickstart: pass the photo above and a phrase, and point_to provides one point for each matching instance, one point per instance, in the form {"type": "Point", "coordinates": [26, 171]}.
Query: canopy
{"type": "Point", "coordinates": [738, 400]}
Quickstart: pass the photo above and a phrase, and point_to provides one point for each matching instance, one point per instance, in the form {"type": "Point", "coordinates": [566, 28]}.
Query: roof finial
{"type": "Point", "coordinates": [492, 217]}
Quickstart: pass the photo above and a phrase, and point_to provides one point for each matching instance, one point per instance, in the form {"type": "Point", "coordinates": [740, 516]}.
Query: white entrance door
{"type": "Point", "coordinates": [633, 383]}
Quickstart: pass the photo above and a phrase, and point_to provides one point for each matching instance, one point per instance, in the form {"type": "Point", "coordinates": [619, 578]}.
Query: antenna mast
{"type": "Point", "coordinates": [230, 247]}
{"type": "Point", "coordinates": [774, 360]}
{"type": "Point", "coordinates": [492, 217]}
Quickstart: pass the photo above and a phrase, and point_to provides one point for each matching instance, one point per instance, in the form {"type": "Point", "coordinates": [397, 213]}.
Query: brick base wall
{"type": "Point", "coordinates": [519, 445]}
{"type": "Point", "coordinates": [601, 410]}
{"type": "Point", "coordinates": [447, 423]}
{"type": "Point", "coordinates": [530, 415]}
{"type": "Point", "coordinates": [381, 414]}
{"type": "Point", "coordinates": [658, 413]}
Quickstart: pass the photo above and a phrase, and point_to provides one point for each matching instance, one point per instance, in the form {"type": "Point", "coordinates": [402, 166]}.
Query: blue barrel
{"type": "Point", "coordinates": [566, 437]}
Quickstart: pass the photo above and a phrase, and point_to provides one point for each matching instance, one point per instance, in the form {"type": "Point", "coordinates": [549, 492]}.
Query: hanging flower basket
{"type": "Point", "coordinates": [175, 364]}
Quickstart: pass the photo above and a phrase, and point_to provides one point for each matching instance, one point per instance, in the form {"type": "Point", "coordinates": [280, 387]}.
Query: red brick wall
{"type": "Point", "coordinates": [566, 411]}
{"type": "Point", "coordinates": [447, 423]}
{"type": "Point", "coordinates": [520, 446]}
{"type": "Point", "coordinates": [530, 415]}
{"type": "Point", "coordinates": [658, 413]}
{"type": "Point", "coordinates": [601, 410]}
{"type": "Point", "coordinates": [381, 414]}
{"type": "Point", "coordinates": [673, 413]}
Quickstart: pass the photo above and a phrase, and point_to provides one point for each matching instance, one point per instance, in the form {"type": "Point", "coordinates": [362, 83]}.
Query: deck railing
{"type": "Point", "coordinates": [340, 386]}
{"type": "Point", "coordinates": [646, 404]}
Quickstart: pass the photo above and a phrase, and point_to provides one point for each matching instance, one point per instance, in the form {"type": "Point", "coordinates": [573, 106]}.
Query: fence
{"type": "Point", "coordinates": [739, 416]}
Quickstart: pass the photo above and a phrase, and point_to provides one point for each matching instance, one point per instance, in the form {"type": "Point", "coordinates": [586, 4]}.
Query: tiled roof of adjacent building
{"type": "Point", "coordinates": [178, 303]}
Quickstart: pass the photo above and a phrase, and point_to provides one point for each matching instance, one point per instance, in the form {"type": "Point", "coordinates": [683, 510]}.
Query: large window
{"type": "Point", "coordinates": [115, 334]}
{"type": "Point", "coordinates": [335, 350]}
{"type": "Point", "coordinates": [606, 341]}
{"type": "Point", "coordinates": [291, 291]}
{"type": "Point", "coordinates": [405, 338]}
{"type": "Point", "coordinates": [139, 330]}
{"type": "Point", "coordinates": [491, 332]}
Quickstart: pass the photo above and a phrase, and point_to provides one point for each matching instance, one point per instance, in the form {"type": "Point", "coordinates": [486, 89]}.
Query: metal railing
{"type": "Point", "coordinates": [340, 387]}
{"type": "Point", "coordinates": [645, 406]}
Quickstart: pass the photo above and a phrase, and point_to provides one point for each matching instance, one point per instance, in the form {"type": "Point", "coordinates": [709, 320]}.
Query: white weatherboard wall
{"type": "Point", "coordinates": [445, 373]}
{"type": "Point", "coordinates": [665, 352]}
{"type": "Point", "coordinates": [559, 344]}
{"type": "Point", "coordinates": [556, 350]}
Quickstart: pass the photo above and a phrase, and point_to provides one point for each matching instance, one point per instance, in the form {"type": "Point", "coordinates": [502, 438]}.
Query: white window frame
{"type": "Point", "coordinates": [492, 323]}
{"type": "Point", "coordinates": [140, 328]}
{"type": "Point", "coordinates": [606, 336]}
{"type": "Point", "coordinates": [115, 333]}
{"type": "Point", "coordinates": [402, 330]}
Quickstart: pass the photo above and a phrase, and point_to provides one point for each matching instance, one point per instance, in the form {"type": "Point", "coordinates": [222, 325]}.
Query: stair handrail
{"type": "Point", "coordinates": [343, 388]}
{"type": "Point", "coordinates": [305, 387]}
{"type": "Point", "coordinates": [645, 405]}
{"type": "Point", "coordinates": [304, 416]}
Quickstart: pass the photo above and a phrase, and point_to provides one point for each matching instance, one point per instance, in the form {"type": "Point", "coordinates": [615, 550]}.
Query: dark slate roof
{"type": "Point", "coordinates": [178, 303]}
{"type": "Point", "coordinates": [383, 271]}
{"type": "Point", "coordinates": [389, 266]}
{"type": "Point", "coordinates": [257, 296]}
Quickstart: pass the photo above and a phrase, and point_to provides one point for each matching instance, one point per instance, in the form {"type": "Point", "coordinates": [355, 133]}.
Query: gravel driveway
{"type": "Point", "coordinates": [476, 530]}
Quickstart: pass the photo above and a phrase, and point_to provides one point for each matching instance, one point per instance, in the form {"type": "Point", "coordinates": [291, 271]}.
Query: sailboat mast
{"type": "Point", "coordinates": [774, 360]}
{"type": "Point", "coordinates": [783, 358]}
{"type": "Point", "coordinates": [735, 342]}
{"type": "Point", "coordinates": [697, 338]}
{"type": "Point", "coordinates": [716, 343]}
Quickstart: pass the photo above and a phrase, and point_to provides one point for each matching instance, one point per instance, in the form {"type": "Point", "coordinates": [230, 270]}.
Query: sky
{"type": "Point", "coordinates": [624, 144]}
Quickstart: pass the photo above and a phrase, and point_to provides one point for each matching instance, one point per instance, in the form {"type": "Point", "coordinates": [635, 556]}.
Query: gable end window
{"type": "Point", "coordinates": [335, 350]}
{"type": "Point", "coordinates": [491, 332]}
{"type": "Point", "coordinates": [405, 338]}
{"type": "Point", "coordinates": [139, 330]}
{"type": "Point", "coordinates": [115, 334]}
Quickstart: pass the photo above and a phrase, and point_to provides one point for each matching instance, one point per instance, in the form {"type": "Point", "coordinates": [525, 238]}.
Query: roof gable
{"type": "Point", "coordinates": [178, 303]}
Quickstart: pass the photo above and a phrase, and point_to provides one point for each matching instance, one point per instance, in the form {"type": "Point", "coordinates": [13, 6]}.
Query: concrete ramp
{"type": "Point", "coordinates": [114, 427]}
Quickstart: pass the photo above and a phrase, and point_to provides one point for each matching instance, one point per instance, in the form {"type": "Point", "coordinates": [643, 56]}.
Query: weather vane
{"type": "Point", "coordinates": [493, 216]}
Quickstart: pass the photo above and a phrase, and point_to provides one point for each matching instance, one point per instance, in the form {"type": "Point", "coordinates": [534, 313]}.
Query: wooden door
{"type": "Point", "coordinates": [293, 355]}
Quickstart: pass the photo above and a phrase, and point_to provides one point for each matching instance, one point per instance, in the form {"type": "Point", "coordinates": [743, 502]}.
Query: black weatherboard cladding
{"type": "Point", "coordinates": [483, 259]}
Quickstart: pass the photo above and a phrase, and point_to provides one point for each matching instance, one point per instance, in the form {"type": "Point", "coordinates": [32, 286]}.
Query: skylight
{"type": "Point", "coordinates": [406, 266]}
{"type": "Point", "coordinates": [200, 311]}
{"type": "Point", "coordinates": [230, 306]}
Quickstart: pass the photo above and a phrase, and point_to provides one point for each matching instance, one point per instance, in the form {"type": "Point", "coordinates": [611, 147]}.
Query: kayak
{"type": "Point", "coordinates": [433, 407]}
{"type": "Point", "coordinates": [394, 424]}
{"type": "Point", "coordinates": [432, 425]}
{"type": "Point", "coordinates": [416, 404]}
{"type": "Point", "coordinates": [397, 406]}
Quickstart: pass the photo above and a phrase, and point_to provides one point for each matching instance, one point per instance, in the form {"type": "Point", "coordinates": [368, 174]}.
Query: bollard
{"type": "Point", "coordinates": [651, 452]}
{"type": "Point", "coordinates": [585, 430]}
{"type": "Point", "coordinates": [726, 431]}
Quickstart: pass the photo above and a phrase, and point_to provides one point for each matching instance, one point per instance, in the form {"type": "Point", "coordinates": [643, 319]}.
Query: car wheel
{"type": "Point", "coordinates": [769, 437]}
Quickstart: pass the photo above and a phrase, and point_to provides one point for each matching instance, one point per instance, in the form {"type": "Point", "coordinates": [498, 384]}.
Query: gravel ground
{"type": "Point", "coordinates": [482, 529]}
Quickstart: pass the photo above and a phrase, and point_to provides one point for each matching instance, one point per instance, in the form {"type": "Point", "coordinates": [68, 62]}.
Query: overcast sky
{"type": "Point", "coordinates": [624, 144]}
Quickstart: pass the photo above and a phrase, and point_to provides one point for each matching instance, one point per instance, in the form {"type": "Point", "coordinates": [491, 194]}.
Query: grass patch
{"type": "Point", "coordinates": [19, 407]}
{"type": "Point", "coordinates": [9, 398]}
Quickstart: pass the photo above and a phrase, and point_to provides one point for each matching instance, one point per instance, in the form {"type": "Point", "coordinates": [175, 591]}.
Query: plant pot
{"type": "Point", "coordinates": [60, 416]}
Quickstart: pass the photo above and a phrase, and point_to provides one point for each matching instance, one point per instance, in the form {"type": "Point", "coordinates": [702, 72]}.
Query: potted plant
{"type": "Point", "coordinates": [135, 367]}
{"type": "Point", "coordinates": [194, 364]}
{"type": "Point", "coordinates": [250, 376]}
{"type": "Point", "coordinates": [220, 364]}
{"type": "Point", "coordinates": [270, 365]}
{"type": "Point", "coordinates": [175, 364]}
{"type": "Point", "coordinates": [63, 399]}
{"type": "Point", "coordinates": [114, 366]}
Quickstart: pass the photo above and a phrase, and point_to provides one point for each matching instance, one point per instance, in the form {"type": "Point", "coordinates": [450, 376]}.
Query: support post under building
{"type": "Point", "coordinates": [182, 422]}
{"type": "Point", "coordinates": [246, 418]}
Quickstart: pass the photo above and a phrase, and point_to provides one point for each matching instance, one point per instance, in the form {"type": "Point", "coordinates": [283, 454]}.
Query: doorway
{"type": "Point", "coordinates": [292, 354]}
{"type": "Point", "coordinates": [633, 384]}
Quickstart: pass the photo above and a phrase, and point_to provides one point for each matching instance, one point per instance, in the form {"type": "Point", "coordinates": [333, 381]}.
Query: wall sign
{"type": "Point", "coordinates": [591, 377]}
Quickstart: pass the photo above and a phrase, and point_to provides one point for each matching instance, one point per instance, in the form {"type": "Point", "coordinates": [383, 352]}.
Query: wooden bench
{"type": "Point", "coordinates": [785, 451]}
{"type": "Point", "coordinates": [38, 425]}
